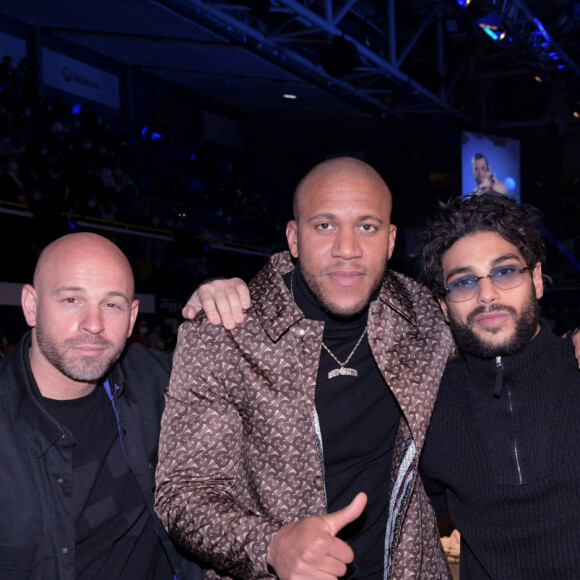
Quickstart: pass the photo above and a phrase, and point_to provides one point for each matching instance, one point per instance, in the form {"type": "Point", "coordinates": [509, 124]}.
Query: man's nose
{"type": "Point", "coordinates": [346, 245]}
{"type": "Point", "coordinates": [92, 320]}
{"type": "Point", "coordinates": [487, 291]}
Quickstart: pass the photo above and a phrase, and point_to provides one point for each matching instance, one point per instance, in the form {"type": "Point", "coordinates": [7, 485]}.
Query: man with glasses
{"type": "Point", "coordinates": [503, 447]}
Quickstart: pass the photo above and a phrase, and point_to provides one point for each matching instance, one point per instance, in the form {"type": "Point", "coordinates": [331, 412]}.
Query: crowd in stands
{"type": "Point", "coordinates": [57, 157]}
{"type": "Point", "coordinates": [60, 160]}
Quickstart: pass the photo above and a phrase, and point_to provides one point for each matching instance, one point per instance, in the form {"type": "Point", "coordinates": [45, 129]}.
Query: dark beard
{"type": "Point", "coordinates": [525, 329]}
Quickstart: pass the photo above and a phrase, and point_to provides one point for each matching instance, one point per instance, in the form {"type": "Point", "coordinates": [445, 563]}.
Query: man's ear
{"type": "Point", "coordinates": [134, 312]}
{"type": "Point", "coordinates": [392, 238]}
{"type": "Point", "coordinates": [537, 280]}
{"type": "Point", "coordinates": [29, 301]}
{"type": "Point", "coordinates": [292, 237]}
{"type": "Point", "coordinates": [443, 305]}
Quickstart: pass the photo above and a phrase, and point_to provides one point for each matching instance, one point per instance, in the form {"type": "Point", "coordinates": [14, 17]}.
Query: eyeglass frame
{"type": "Point", "coordinates": [491, 277]}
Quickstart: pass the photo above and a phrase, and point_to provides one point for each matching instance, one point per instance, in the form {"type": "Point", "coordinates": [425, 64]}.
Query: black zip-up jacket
{"type": "Point", "coordinates": [37, 535]}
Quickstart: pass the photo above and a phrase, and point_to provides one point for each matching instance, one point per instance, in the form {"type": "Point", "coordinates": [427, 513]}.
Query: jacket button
{"type": "Point", "coordinates": [64, 550]}
{"type": "Point", "coordinates": [60, 481]}
{"type": "Point", "coordinates": [318, 483]}
{"type": "Point", "coordinates": [234, 525]}
{"type": "Point", "coordinates": [300, 332]}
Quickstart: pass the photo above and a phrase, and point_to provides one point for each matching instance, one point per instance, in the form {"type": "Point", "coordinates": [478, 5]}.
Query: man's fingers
{"type": "Point", "coordinates": [223, 301]}
{"type": "Point", "coordinates": [243, 293]}
{"type": "Point", "coordinates": [339, 519]}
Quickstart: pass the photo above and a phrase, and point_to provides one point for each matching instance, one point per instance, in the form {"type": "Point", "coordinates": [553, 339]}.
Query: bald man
{"type": "Point", "coordinates": [79, 426]}
{"type": "Point", "coordinates": [289, 443]}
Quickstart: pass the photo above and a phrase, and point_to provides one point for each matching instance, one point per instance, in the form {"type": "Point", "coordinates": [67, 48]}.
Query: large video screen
{"type": "Point", "coordinates": [490, 163]}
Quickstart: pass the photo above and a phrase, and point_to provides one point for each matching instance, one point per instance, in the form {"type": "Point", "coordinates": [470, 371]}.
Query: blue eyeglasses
{"type": "Point", "coordinates": [503, 277]}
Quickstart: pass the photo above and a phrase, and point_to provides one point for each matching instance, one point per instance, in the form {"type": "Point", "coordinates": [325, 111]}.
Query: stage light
{"type": "Point", "coordinates": [510, 183]}
{"type": "Point", "coordinates": [490, 33]}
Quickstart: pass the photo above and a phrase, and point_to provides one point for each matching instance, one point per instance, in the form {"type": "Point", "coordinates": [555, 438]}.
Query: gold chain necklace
{"type": "Point", "coordinates": [342, 369]}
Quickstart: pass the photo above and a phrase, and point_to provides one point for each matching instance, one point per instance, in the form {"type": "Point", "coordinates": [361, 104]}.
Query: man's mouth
{"type": "Point", "coordinates": [89, 350]}
{"type": "Point", "coordinates": [346, 277]}
{"type": "Point", "coordinates": [491, 319]}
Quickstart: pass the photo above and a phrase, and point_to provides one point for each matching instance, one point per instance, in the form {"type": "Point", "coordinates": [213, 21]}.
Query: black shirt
{"type": "Point", "coordinates": [505, 462]}
{"type": "Point", "coordinates": [114, 534]}
{"type": "Point", "coordinates": [359, 417]}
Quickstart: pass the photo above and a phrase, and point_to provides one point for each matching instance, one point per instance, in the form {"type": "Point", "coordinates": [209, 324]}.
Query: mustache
{"type": "Point", "coordinates": [344, 266]}
{"type": "Point", "coordinates": [493, 308]}
{"type": "Point", "coordinates": [88, 341]}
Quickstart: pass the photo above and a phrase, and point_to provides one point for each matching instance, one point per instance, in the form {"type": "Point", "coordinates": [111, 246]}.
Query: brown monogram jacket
{"type": "Point", "coordinates": [239, 451]}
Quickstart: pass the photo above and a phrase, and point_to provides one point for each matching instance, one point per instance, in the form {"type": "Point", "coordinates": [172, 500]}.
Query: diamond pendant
{"type": "Point", "coordinates": [343, 371]}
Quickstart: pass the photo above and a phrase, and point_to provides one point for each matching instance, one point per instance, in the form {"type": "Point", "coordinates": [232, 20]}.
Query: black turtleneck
{"type": "Point", "coordinates": [503, 456]}
{"type": "Point", "coordinates": [359, 417]}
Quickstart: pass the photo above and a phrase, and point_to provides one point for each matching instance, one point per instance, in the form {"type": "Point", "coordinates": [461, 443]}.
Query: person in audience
{"type": "Point", "coordinates": [502, 454]}
{"type": "Point", "coordinates": [79, 424]}
{"type": "Point", "coordinates": [289, 445]}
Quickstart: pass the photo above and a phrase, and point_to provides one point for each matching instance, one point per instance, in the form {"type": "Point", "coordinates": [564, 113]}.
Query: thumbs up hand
{"type": "Point", "coordinates": [310, 550]}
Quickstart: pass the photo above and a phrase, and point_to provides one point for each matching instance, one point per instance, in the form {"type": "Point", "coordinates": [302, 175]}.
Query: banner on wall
{"type": "Point", "coordinates": [223, 130]}
{"type": "Point", "coordinates": [13, 47]}
{"type": "Point", "coordinates": [76, 77]}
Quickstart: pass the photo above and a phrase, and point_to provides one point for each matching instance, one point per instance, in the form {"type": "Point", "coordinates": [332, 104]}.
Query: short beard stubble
{"type": "Point", "coordinates": [79, 369]}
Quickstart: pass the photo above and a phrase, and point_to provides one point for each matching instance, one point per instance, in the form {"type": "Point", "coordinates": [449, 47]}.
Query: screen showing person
{"type": "Point", "coordinates": [490, 164]}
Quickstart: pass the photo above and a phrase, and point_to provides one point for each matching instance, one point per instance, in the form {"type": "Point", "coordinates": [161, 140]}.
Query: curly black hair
{"type": "Point", "coordinates": [489, 212]}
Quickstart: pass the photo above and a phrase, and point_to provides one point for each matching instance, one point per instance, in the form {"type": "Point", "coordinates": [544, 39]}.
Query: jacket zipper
{"type": "Point", "coordinates": [496, 393]}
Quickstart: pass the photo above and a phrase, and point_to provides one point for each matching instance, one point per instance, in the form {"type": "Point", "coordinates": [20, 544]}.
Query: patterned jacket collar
{"type": "Point", "coordinates": [278, 312]}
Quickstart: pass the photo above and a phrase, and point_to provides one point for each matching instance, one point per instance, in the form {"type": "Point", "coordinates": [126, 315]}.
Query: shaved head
{"type": "Point", "coordinates": [342, 233]}
{"type": "Point", "coordinates": [82, 247]}
{"type": "Point", "coordinates": [347, 168]}
{"type": "Point", "coordinates": [81, 308]}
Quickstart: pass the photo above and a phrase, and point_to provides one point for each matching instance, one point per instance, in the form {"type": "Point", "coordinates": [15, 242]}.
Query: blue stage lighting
{"type": "Point", "coordinates": [76, 109]}
{"type": "Point", "coordinates": [510, 183]}
{"type": "Point", "coordinates": [490, 33]}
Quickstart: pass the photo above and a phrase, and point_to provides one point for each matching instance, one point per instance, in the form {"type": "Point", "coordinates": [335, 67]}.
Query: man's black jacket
{"type": "Point", "coordinates": [37, 535]}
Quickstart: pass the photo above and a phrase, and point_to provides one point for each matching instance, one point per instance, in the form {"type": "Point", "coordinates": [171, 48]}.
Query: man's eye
{"type": "Point", "coordinates": [112, 305]}
{"type": "Point", "coordinates": [368, 228]}
{"type": "Point", "coordinates": [324, 226]}
{"type": "Point", "coordinates": [463, 282]}
{"type": "Point", "coordinates": [504, 271]}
